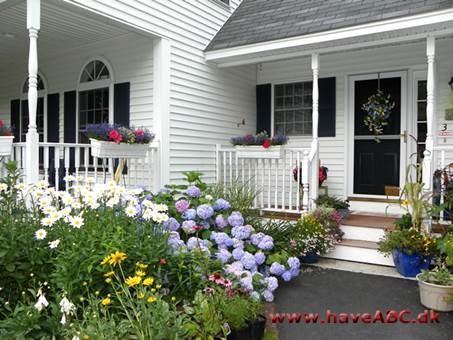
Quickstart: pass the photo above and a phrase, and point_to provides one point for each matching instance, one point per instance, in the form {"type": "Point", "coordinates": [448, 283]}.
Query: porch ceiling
{"type": "Point", "coordinates": [288, 49]}
{"type": "Point", "coordinates": [63, 27]}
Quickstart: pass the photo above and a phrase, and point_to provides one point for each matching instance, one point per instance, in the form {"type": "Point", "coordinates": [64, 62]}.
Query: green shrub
{"type": "Point", "coordinates": [331, 202]}
{"type": "Point", "coordinates": [409, 241]}
{"type": "Point", "coordinates": [310, 237]}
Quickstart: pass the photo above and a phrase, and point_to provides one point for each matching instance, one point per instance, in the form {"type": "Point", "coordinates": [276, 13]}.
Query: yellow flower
{"type": "Point", "coordinates": [158, 286]}
{"type": "Point", "coordinates": [106, 301]}
{"type": "Point", "coordinates": [152, 299]}
{"type": "Point", "coordinates": [173, 299]}
{"type": "Point", "coordinates": [153, 290]}
{"type": "Point", "coordinates": [140, 295]}
{"type": "Point", "coordinates": [109, 274]}
{"type": "Point", "coordinates": [148, 281]}
{"type": "Point", "coordinates": [105, 260]}
{"type": "Point", "coordinates": [108, 280]}
{"type": "Point", "coordinates": [86, 337]}
{"type": "Point", "coordinates": [140, 273]}
{"type": "Point", "coordinates": [141, 265]}
{"type": "Point", "coordinates": [133, 281]}
{"type": "Point", "coordinates": [117, 257]}
{"type": "Point", "coordinates": [405, 202]}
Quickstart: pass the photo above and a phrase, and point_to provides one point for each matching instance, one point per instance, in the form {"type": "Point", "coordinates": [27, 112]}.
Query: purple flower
{"type": "Point", "coordinates": [256, 238]}
{"type": "Point", "coordinates": [260, 258]}
{"type": "Point", "coordinates": [247, 283]}
{"type": "Point", "coordinates": [248, 260]}
{"type": "Point", "coordinates": [189, 226]}
{"type": "Point", "coordinates": [286, 276]}
{"type": "Point", "coordinates": [189, 214]}
{"type": "Point", "coordinates": [221, 239]}
{"type": "Point", "coordinates": [182, 205]}
{"type": "Point", "coordinates": [268, 296]}
{"type": "Point", "coordinates": [266, 243]}
{"type": "Point", "coordinates": [295, 272]}
{"type": "Point", "coordinates": [238, 253]}
{"type": "Point", "coordinates": [238, 243]}
{"type": "Point", "coordinates": [236, 219]}
{"type": "Point", "coordinates": [223, 255]}
{"type": "Point", "coordinates": [195, 242]}
{"type": "Point", "coordinates": [193, 191]}
{"type": "Point", "coordinates": [241, 232]}
{"type": "Point", "coordinates": [235, 268]}
{"type": "Point", "coordinates": [174, 241]}
{"type": "Point", "coordinates": [221, 204]}
{"type": "Point", "coordinates": [220, 222]}
{"type": "Point", "coordinates": [293, 263]}
{"type": "Point", "coordinates": [277, 269]}
{"type": "Point", "coordinates": [172, 224]}
{"type": "Point", "coordinates": [271, 282]}
{"type": "Point", "coordinates": [205, 211]}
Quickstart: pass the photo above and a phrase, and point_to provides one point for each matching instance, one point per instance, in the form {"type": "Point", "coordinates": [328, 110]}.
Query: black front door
{"type": "Point", "coordinates": [376, 165]}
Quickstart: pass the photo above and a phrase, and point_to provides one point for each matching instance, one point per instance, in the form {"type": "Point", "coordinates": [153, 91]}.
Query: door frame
{"type": "Point", "coordinates": [404, 126]}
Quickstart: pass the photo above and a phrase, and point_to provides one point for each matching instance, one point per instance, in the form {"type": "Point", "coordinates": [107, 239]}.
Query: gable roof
{"type": "Point", "coordinates": [256, 21]}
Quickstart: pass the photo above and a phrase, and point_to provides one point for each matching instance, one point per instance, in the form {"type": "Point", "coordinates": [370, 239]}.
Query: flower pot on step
{"type": "Point", "coordinates": [437, 297]}
{"type": "Point", "coordinates": [103, 149]}
{"type": "Point", "coordinates": [310, 257]}
{"type": "Point", "coordinates": [410, 265]}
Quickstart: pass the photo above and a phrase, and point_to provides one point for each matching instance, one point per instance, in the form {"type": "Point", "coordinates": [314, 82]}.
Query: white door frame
{"type": "Point", "coordinates": [351, 120]}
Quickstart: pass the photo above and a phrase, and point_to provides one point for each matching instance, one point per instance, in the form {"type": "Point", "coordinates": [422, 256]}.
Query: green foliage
{"type": "Point", "coordinates": [331, 202]}
{"type": "Point", "coordinates": [404, 222]}
{"type": "Point", "coordinates": [409, 241]}
{"type": "Point", "coordinates": [310, 237]}
{"type": "Point", "coordinates": [280, 230]}
{"type": "Point", "coordinates": [445, 246]}
{"type": "Point", "coordinates": [330, 219]}
{"type": "Point", "coordinates": [437, 276]}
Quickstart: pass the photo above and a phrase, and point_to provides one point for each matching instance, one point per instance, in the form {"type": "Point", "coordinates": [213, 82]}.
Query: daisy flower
{"type": "Point", "coordinates": [131, 211]}
{"type": "Point", "coordinates": [40, 234]}
{"type": "Point", "coordinates": [76, 221]}
{"type": "Point", "coordinates": [54, 244]}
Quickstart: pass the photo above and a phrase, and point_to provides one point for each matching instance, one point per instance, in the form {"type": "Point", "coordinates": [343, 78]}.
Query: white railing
{"type": "Point", "coordinates": [58, 160]}
{"type": "Point", "coordinates": [442, 157]}
{"type": "Point", "coordinates": [275, 182]}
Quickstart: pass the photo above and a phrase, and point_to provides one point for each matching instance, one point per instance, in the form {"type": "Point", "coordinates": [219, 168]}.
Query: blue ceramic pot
{"type": "Point", "coordinates": [310, 258]}
{"type": "Point", "coordinates": [410, 265]}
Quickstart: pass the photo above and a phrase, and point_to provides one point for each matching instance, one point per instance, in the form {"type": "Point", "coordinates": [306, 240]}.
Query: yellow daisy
{"type": "Point", "coordinates": [117, 257]}
{"type": "Point", "coordinates": [148, 281]}
{"type": "Point", "coordinates": [105, 302]}
{"type": "Point", "coordinates": [152, 299]}
{"type": "Point", "coordinates": [140, 273]}
{"type": "Point", "coordinates": [141, 265]}
{"type": "Point", "coordinates": [133, 281]}
{"type": "Point", "coordinates": [109, 274]}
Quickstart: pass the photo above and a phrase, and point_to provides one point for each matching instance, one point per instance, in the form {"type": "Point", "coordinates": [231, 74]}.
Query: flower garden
{"type": "Point", "coordinates": [102, 261]}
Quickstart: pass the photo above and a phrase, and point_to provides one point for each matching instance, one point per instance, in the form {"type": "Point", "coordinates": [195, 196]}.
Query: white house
{"type": "Point", "coordinates": [198, 72]}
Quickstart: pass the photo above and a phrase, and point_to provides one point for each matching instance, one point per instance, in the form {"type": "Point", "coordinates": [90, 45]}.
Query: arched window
{"type": "Point", "coordinates": [41, 108]}
{"type": "Point", "coordinates": [95, 96]}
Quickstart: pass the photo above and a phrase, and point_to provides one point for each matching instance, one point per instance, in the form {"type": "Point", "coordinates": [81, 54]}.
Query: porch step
{"type": "Point", "coordinates": [376, 206]}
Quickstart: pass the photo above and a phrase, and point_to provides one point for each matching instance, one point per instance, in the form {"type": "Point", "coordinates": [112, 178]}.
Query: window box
{"type": "Point", "coordinates": [6, 144]}
{"type": "Point", "coordinates": [257, 151]}
{"type": "Point", "coordinates": [103, 149]}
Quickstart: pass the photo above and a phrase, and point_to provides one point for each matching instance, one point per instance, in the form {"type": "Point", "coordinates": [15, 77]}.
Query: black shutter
{"type": "Point", "coordinates": [327, 107]}
{"type": "Point", "coordinates": [70, 117]}
{"type": "Point", "coordinates": [263, 108]}
{"type": "Point", "coordinates": [15, 118]}
{"type": "Point", "coordinates": [121, 104]}
{"type": "Point", "coordinates": [53, 118]}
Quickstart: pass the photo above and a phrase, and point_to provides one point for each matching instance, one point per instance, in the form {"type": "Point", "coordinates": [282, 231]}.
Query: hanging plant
{"type": "Point", "coordinates": [378, 109]}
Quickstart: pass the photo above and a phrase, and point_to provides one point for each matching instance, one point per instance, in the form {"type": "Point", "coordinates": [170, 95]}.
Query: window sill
{"type": "Point", "coordinates": [221, 4]}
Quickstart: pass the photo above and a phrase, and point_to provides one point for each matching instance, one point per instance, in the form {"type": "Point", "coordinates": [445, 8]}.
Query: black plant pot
{"type": "Point", "coordinates": [239, 334]}
{"type": "Point", "coordinates": [257, 328]}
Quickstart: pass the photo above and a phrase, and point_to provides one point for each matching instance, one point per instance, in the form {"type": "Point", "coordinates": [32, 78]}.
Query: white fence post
{"type": "Point", "coordinates": [305, 178]}
{"type": "Point", "coordinates": [430, 92]}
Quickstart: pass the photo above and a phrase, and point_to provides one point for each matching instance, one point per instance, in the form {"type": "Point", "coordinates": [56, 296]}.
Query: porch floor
{"type": "Point", "coordinates": [318, 290]}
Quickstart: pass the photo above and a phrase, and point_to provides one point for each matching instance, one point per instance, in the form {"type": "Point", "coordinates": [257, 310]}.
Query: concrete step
{"type": "Point", "coordinates": [359, 251]}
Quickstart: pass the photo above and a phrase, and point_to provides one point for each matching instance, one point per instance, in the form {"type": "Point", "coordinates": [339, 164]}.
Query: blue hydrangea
{"type": "Point", "coordinates": [277, 269]}
{"type": "Point", "coordinates": [271, 283]}
{"type": "Point", "coordinates": [238, 243]}
{"type": "Point", "coordinates": [268, 296]}
{"type": "Point", "coordinates": [221, 222]}
{"type": "Point", "coordinates": [188, 226]}
{"type": "Point", "coordinates": [221, 238]}
{"type": "Point", "coordinates": [238, 253]}
{"type": "Point", "coordinates": [205, 211]}
{"type": "Point", "coordinates": [223, 255]}
{"type": "Point", "coordinates": [287, 276]}
{"type": "Point", "coordinates": [293, 262]}
{"type": "Point", "coordinates": [248, 260]}
{"type": "Point", "coordinates": [221, 204]}
{"type": "Point", "coordinates": [174, 241]}
{"type": "Point", "coordinates": [189, 214]}
{"type": "Point", "coordinates": [172, 224]}
{"type": "Point", "coordinates": [246, 283]}
{"type": "Point", "coordinates": [255, 239]}
{"type": "Point", "coordinates": [260, 258]}
{"type": "Point", "coordinates": [241, 232]}
{"type": "Point", "coordinates": [266, 243]}
{"type": "Point", "coordinates": [255, 296]}
{"type": "Point", "coordinates": [235, 268]}
{"type": "Point", "coordinates": [236, 219]}
{"type": "Point", "coordinates": [195, 242]}
{"type": "Point", "coordinates": [193, 191]}
{"type": "Point", "coordinates": [295, 272]}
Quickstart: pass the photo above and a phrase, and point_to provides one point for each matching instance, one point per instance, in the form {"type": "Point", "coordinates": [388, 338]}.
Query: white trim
{"type": "Point", "coordinates": [350, 120]}
{"type": "Point", "coordinates": [337, 34]}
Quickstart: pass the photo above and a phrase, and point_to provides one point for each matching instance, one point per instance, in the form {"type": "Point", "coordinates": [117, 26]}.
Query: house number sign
{"type": "Point", "coordinates": [444, 132]}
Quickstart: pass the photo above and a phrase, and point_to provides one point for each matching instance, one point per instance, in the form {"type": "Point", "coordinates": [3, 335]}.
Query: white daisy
{"type": "Point", "coordinates": [69, 178]}
{"type": "Point", "coordinates": [148, 204]}
{"type": "Point", "coordinates": [40, 234]}
{"type": "Point", "coordinates": [208, 197]}
{"type": "Point", "coordinates": [76, 221]}
{"type": "Point", "coordinates": [161, 207]}
{"type": "Point", "coordinates": [3, 187]}
{"type": "Point", "coordinates": [131, 211]}
{"type": "Point", "coordinates": [47, 221]}
{"type": "Point", "coordinates": [54, 244]}
{"type": "Point", "coordinates": [147, 214]}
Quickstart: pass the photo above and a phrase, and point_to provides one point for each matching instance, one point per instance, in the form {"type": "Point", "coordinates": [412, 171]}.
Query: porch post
{"type": "Point", "coordinates": [314, 184]}
{"type": "Point", "coordinates": [32, 138]}
{"type": "Point", "coordinates": [430, 117]}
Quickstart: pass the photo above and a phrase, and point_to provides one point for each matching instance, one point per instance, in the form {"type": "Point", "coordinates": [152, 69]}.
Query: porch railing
{"type": "Point", "coordinates": [442, 157]}
{"type": "Point", "coordinates": [58, 160]}
{"type": "Point", "coordinates": [278, 185]}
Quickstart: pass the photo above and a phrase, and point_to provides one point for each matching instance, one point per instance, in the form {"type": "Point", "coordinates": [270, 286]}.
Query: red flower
{"type": "Point", "coordinates": [115, 136]}
{"type": "Point", "coordinates": [1, 124]}
{"type": "Point", "coordinates": [197, 228]}
{"type": "Point", "coordinates": [162, 262]}
{"type": "Point", "coordinates": [139, 133]}
{"type": "Point", "coordinates": [266, 144]}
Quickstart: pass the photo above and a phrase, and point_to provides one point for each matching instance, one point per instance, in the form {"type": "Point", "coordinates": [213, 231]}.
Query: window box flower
{"type": "Point", "coordinates": [102, 149]}
{"type": "Point", "coordinates": [6, 139]}
{"type": "Point", "coordinates": [260, 146]}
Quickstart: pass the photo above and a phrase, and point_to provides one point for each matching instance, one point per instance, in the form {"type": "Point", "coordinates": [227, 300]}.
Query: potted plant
{"type": "Point", "coordinates": [341, 206]}
{"type": "Point", "coordinates": [310, 239]}
{"type": "Point", "coordinates": [260, 145]}
{"type": "Point", "coordinates": [297, 173]}
{"type": "Point", "coordinates": [6, 139]}
{"type": "Point", "coordinates": [436, 289]}
{"type": "Point", "coordinates": [116, 141]}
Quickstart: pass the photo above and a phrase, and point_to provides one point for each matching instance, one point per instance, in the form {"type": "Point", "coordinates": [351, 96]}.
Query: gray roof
{"type": "Point", "coordinates": [265, 20]}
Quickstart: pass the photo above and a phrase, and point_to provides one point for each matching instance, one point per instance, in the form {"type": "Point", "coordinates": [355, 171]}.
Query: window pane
{"type": "Point", "coordinates": [279, 102]}
{"type": "Point", "coordinates": [421, 111]}
{"type": "Point", "coordinates": [299, 128]}
{"type": "Point", "coordinates": [288, 102]}
{"type": "Point", "coordinates": [299, 89]}
{"type": "Point", "coordinates": [279, 90]}
{"type": "Point", "coordinates": [421, 132]}
{"type": "Point", "coordinates": [279, 117]}
{"type": "Point", "coordinates": [421, 93]}
{"type": "Point", "coordinates": [279, 128]}
{"type": "Point", "coordinates": [289, 90]}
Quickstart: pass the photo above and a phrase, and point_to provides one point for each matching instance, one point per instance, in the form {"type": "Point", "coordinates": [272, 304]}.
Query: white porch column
{"type": "Point", "coordinates": [430, 114]}
{"type": "Point", "coordinates": [314, 185]}
{"type": "Point", "coordinates": [32, 138]}
{"type": "Point", "coordinates": [161, 109]}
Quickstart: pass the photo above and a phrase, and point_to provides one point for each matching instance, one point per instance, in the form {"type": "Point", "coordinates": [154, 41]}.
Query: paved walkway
{"type": "Point", "coordinates": [318, 290]}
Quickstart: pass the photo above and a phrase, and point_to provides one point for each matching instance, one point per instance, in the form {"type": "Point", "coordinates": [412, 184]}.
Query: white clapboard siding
{"type": "Point", "coordinates": [399, 57]}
